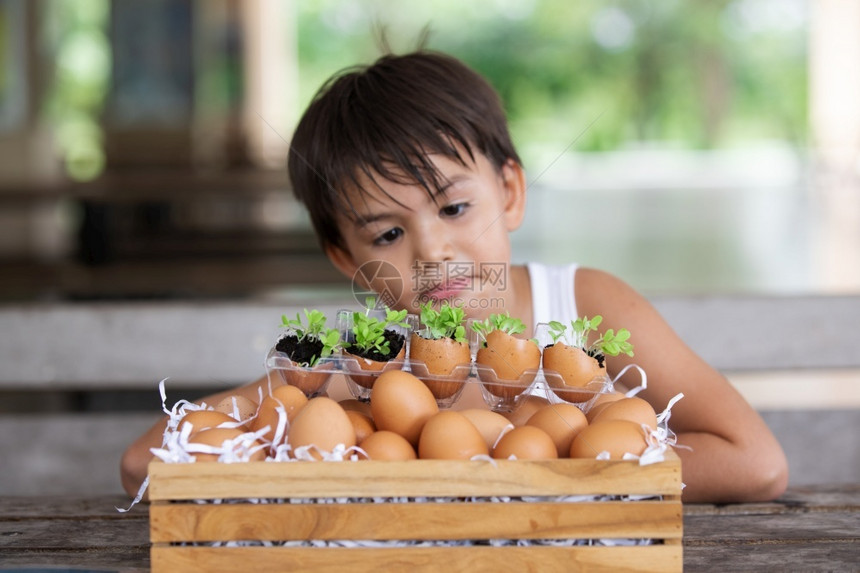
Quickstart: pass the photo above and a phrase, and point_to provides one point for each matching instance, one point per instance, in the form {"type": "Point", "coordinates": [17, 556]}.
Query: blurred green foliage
{"type": "Point", "coordinates": [705, 74]}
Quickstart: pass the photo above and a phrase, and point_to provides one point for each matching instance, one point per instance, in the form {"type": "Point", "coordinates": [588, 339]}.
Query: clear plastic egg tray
{"type": "Point", "coordinates": [500, 395]}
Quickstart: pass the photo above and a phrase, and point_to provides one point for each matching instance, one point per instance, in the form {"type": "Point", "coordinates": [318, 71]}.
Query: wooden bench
{"type": "Point", "coordinates": [79, 381]}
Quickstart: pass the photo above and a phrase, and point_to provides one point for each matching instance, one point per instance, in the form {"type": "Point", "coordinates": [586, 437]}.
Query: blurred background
{"type": "Point", "coordinates": [688, 147]}
{"type": "Point", "coordinates": [706, 152]}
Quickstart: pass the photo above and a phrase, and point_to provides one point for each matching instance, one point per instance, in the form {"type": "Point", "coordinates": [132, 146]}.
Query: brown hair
{"type": "Point", "coordinates": [383, 120]}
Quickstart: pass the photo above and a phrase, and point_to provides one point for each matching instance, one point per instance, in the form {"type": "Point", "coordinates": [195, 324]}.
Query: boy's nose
{"type": "Point", "coordinates": [434, 244]}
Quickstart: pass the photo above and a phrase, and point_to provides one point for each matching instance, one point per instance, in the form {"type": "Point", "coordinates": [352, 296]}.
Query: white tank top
{"type": "Point", "coordinates": [553, 297]}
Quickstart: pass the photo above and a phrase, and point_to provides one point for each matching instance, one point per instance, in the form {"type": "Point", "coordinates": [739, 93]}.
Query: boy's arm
{"type": "Point", "coordinates": [734, 456]}
{"type": "Point", "coordinates": [133, 466]}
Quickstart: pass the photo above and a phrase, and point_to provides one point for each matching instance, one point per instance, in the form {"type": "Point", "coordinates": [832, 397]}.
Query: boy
{"type": "Point", "coordinates": [409, 161]}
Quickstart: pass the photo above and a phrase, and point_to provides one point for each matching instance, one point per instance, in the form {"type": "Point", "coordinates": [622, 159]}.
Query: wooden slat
{"type": "Point", "coordinates": [656, 558]}
{"type": "Point", "coordinates": [435, 521]}
{"type": "Point", "coordinates": [812, 555]}
{"type": "Point", "coordinates": [412, 478]}
{"type": "Point", "coordinates": [125, 559]}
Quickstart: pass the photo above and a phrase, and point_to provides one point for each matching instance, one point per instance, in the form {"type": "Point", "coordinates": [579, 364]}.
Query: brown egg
{"type": "Point", "coordinates": [567, 367]}
{"type": "Point", "coordinates": [401, 403]}
{"type": "Point", "coordinates": [600, 402]}
{"type": "Point", "coordinates": [385, 445]}
{"type": "Point", "coordinates": [432, 360]}
{"type": "Point", "coordinates": [508, 364]}
{"type": "Point", "coordinates": [321, 423]}
{"type": "Point", "coordinates": [356, 405]}
{"type": "Point", "coordinates": [490, 424]}
{"type": "Point", "coordinates": [450, 435]}
{"type": "Point", "coordinates": [235, 404]}
{"type": "Point", "coordinates": [216, 437]}
{"type": "Point", "coordinates": [290, 398]}
{"type": "Point", "coordinates": [355, 365]}
{"type": "Point", "coordinates": [526, 443]}
{"type": "Point", "coordinates": [362, 425]}
{"type": "Point", "coordinates": [526, 406]}
{"type": "Point", "coordinates": [632, 409]}
{"type": "Point", "coordinates": [202, 419]}
{"type": "Point", "coordinates": [562, 422]}
{"type": "Point", "coordinates": [615, 436]}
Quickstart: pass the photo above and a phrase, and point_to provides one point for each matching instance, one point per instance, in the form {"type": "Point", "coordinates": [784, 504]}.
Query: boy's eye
{"type": "Point", "coordinates": [388, 236]}
{"type": "Point", "coordinates": [453, 210]}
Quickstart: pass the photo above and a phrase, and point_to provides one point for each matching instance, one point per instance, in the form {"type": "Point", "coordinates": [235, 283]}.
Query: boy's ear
{"type": "Point", "coordinates": [514, 181]}
{"type": "Point", "coordinates": [342, 260]}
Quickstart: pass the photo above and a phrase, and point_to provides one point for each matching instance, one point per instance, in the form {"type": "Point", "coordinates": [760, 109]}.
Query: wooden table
{"type": "Point", "coordinates": [808, 529]}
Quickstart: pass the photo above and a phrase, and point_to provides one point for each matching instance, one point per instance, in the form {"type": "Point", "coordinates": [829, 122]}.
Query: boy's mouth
{"type": "Point", "coordinates": [448, 289]}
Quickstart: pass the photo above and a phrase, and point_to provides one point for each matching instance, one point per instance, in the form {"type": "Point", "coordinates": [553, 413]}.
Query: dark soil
{"type": "Point", "coordinates": [300, 352]}
{"type": "Point", "coordinates": [395, 343]}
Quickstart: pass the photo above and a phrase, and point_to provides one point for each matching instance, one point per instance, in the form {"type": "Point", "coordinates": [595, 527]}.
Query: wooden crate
{"type": "Point", "coordinates": [179, 527]}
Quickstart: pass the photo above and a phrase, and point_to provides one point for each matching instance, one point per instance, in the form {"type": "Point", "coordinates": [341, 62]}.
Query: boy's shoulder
{"type": "Point", "coordinates": [600, 292]}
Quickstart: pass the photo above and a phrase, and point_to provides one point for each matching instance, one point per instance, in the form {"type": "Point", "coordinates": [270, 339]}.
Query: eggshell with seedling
{"type": "Point", "coordinates": [568, 368]}
{"type": "Point", "coordinates": [356, 365]}
{"type": "Point", "coordinates": [508, 364]}
{"type": "Point", "coordinates": [310, 380]}
{"type": "Point", "coordinates": [435, 362]}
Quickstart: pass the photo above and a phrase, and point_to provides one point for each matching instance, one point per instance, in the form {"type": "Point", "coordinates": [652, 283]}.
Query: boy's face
{"type": "Point", "coordinates": [456, 248]}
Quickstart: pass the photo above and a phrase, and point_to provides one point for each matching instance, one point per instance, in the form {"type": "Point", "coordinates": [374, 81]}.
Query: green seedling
{"type": "Point", "coordinates": [313, 329]}
{"type": "Point", "coordinates": [447, 322]}
{"type": "Point", "coordinates": [611, 343]}
{"type": "Point", "coordinates": [369, 331]}
{"type": "Point", "coordinates": [501, 321]}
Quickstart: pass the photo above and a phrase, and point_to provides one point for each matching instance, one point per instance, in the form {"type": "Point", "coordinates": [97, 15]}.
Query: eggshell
{"type": "Point", "coordinates": [490, 424]}
{"type": "Point", "coordinates": [450, 435]}
{"type": "Point", "coordinates": [309, 380]}
{"type": "Point", "coordinates": [567, 367]}
{"type": "Point", "coordinates": [202, 419]}
{"type": "Point", "coordinates": [245, 407]}
{"type": "Point", "coordinates": [632, 409]}
{"type": "Point", "coordinates": [385, 445]}
{"type": "Point", "coordinates": [600, 402]}
{"type": "Point", "coordinates": [355, 365]}
{"type": "Point", "coordinates": [321, 423]}
{"type": "Point", "coordinates": [562, 422]}
{"type": "Point", "coordinates": [526, 443]}
{"type": "Point", "coordinates": [509, 363]}
{"type": "Point", "coordinates": [290, 398]}
{"type": "Point", "coordinates": [434, 360]}
{"type": "Point", "coordinates": [362, 425]}
{"type": "Point", "coordinates": [615, 436]}
{"type": "Point", "coordinates": [216, 437]}
{"type": "Point", "coordinates": [401, 403]}
{"type": "Point", "coordinates": [526, 406]}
